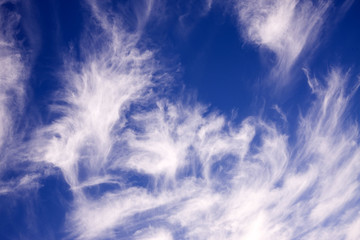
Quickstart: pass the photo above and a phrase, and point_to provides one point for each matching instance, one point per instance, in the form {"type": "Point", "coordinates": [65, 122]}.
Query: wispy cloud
{"type": "Point", "coordinates": [155, 166]}
{"type": "Point", "coordinates": [153, 234]}
{"type": "Point", "coordinates": [12, 92]}
{"type": "Point", "coordinates": [96, 92]}
{"type": "Point", "coordinates": [92, 104]}
{"type": "Point", "coordinates": [286, 28]}
{"type": "Point", "coordinates": [216, 181]}
{"type": "Point", "coordinates": [11, 72]}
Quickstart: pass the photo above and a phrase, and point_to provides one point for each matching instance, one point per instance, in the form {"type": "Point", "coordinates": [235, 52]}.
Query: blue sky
{"type": "Point", "coordinates": [179, 119]}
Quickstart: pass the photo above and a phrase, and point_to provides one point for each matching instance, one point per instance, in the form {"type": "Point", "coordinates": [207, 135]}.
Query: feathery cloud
{"type": "Point", "coordinates": [287, 28]}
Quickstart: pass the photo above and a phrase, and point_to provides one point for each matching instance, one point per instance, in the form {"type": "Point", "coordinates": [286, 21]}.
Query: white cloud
{"type": "Point", "coordinates": [245, 189]}
{"type": "Point", "coordinates": [153, 234]}
{"type": "Point", "coordinates": [96, 93]}
{"type": "Point", "coordinates": [94, 219]}
{"type": "Point", "coordinates": [11, 72]}
{"type": "Point", "coordinates": [284, 27]}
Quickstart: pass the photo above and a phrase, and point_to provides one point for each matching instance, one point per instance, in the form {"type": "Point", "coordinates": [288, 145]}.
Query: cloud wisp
{"type": "Point", "coordinates": [287, 28]}
{"type": "Point", "coordinates": [12, 70]}
{"type": "Point", "coordinates": [13, 74]}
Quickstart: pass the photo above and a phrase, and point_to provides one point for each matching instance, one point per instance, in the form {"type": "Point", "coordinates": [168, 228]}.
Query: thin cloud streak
{"type": "Point", "coordinates": [13, 74]}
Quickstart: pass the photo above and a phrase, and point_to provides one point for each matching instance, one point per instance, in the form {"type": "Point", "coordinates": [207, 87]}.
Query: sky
{"type": "Point", "coordinates": [182, 119]}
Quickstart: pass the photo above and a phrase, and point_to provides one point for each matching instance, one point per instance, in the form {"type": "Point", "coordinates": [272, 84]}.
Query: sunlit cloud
{"type": "Point", "coordinates": [215, 181]}
{"type": "Point", "coordinates": [286, 28]}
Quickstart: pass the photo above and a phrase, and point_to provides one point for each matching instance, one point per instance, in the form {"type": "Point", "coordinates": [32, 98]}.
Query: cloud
{"type": "Point", "coordinates": [287, 28]}
{"type": "Point", "coordinates": [216, 181]}
{"type": "Point", "coordinates": [319, 181]}
{"type": "Point", "coordinates": [155, 234]}
{"type": "Point", "coordinates": [280, 112]}
{"type": "Point", "coordinates": [190, 14]}
{"type": "Point", "coordinates": [134, 159]}
{"type": "Point", "coordinates": [11, 72]}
